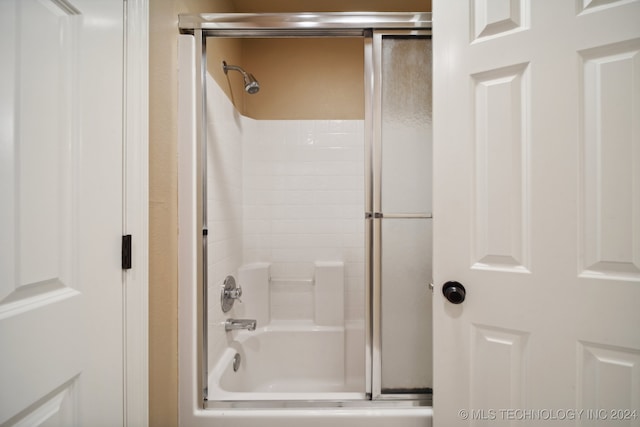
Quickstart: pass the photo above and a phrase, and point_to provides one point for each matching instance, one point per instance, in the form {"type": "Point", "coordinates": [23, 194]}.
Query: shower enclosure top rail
{"type": "Point", "coordinates": [311, 21]}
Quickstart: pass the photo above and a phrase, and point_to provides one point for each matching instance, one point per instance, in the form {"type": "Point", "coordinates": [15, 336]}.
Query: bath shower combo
{"type": "Point", "coordinates": [325, 343]}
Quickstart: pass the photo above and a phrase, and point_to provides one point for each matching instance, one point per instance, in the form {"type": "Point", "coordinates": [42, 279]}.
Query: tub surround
{"type": "Point", "coordinates": [329, 294]}
{"type": "Point", "coordinates": [287, 194]}
{"type": "Point", "coordinates": [300, 336]}
{"type": "Point", "coordinates": [256, 297]}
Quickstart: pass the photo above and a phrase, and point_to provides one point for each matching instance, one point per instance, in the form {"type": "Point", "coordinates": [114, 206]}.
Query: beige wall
{"type": "Point", "coordinates": [163, 204]}
{"type": "Point", "coordinates": [222, 49]}
{"type": "Point", "coordinates": [300, 79]}
{"type": "Point", "coordinates": [163, 198]}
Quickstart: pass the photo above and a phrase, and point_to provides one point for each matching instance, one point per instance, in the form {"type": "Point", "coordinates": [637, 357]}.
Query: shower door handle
{"type": "Point", "coordinates": [454, 292]}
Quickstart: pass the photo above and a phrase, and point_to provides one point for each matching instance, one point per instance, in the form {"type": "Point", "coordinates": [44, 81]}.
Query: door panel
{"type": "Point", "coordinates": [498, 358]}
{"type": "Point", "coordinates": [610, 161]}
{"type": "Point", "coordinates": [501, 197]}
{"type": "Point", "coordinates": [37, 160]}
{"type": "Point", "coordinates": [61, 156]}
{"type": "Point", "coordinates": [536, 212]}
{"type": "Point", "coordinates": [42, 158]}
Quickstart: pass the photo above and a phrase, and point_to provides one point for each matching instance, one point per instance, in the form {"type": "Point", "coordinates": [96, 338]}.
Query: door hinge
{"type": "Point", "coordinates": [126, 252]}
{"type": "Point", "coordinates": [375, 215]}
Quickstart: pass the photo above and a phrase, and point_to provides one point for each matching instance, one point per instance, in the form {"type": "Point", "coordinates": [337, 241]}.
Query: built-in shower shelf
{"type": "Point", "coordinates": [290, 281]}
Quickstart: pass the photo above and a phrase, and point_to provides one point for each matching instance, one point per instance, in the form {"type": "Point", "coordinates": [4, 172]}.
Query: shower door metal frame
{"type": "Point", "coordinates": [371, 26]}
{"type": "Point", "coordinates": [374, 211]}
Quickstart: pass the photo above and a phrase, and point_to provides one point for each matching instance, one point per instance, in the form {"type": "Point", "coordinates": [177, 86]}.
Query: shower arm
{"type": "Point", "coordinates": [234, 67]}
{"type": "Point", "coordinates": [251, 85]}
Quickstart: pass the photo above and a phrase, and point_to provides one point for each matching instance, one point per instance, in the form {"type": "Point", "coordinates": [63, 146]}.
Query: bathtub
{"type": "Point", "coordinates": [292, 373]}
{"type": "Point", "coordinates": [287, 361]}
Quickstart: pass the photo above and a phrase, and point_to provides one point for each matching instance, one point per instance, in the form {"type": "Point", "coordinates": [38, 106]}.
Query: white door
{"type": "Point", "coordinates": [537, 212]}
{"type": "Point", "coordinates": [61, 296]}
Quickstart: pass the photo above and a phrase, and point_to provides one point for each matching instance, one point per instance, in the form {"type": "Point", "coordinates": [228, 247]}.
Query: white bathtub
{"type": "Point", "coordinates": [301, 366]}
{"type": "Point", "coordinates": [284, 360]}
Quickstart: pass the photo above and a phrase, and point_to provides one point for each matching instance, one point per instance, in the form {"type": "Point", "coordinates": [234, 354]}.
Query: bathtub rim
{"type": "Point", "coordinates": [366, 403]}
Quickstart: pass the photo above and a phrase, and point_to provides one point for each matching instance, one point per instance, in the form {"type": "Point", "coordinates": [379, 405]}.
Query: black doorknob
{"type": "Point", "coordinates": [454, 292]}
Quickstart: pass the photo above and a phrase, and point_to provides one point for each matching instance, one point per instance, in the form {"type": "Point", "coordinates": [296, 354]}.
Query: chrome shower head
{"type": "Point", "coordinates": [251, 85]}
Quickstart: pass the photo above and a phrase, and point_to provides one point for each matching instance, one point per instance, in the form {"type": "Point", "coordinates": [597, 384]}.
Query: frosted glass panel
{"type": "Point", "coordinates": [406, 241]}
{"type": "Point", "coordinates": [406, 125]}
{"type": "Point", "coordinates": [406, 305]}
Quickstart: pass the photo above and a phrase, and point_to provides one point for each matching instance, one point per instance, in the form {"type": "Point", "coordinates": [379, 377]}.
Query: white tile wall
{"type": "Point", "coordinates": [290, 193]}
{"type": "Point", "coordinates": [224, 203]}
{"type": "Point", "coordinates": [304, 199]}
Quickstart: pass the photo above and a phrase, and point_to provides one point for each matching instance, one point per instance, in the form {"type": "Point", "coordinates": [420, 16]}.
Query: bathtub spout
{"type": "Point", "coordinates": [233, 324]}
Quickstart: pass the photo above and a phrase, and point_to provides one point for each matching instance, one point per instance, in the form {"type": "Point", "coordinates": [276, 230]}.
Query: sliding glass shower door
{"type": "Point", "coordinates": [328, 289]}
{"type": "Point", "coordinates": [402, 216]}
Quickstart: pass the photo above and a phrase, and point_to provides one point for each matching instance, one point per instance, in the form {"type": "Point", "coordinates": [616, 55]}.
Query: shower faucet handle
{"type": "Point", "coordinates": [235, 293]}
{"type": "Point", "coordinates": [230, 293]}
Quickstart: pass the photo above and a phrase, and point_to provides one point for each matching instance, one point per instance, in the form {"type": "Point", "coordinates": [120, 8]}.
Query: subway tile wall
{"type": "Point", "coordinates": [224, 208]}
{"type": "Point", "coordinates": [287, 192]}
{"type": "Point", "coordinates": [303, 199]}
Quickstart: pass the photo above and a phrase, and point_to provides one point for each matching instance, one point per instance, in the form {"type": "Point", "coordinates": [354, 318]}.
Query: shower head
{"type": "Point", "coordinates": [251, 85]}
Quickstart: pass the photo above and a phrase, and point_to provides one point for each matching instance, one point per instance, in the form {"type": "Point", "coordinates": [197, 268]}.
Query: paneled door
{"type": "Point", "coordinates": [537, 212]}
{"type": "Point", "coordinates": [61, 212]}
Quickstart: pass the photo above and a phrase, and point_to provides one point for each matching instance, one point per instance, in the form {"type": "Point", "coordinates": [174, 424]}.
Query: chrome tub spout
{"type": "Point", "coordinates": [233, 324]}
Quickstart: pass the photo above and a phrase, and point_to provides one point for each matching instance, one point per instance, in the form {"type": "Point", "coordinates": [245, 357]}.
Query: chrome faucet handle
{"type": "Point", "coordinates": [230, 293]}
{"type": "Point", "coordinates": [235, 293]}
